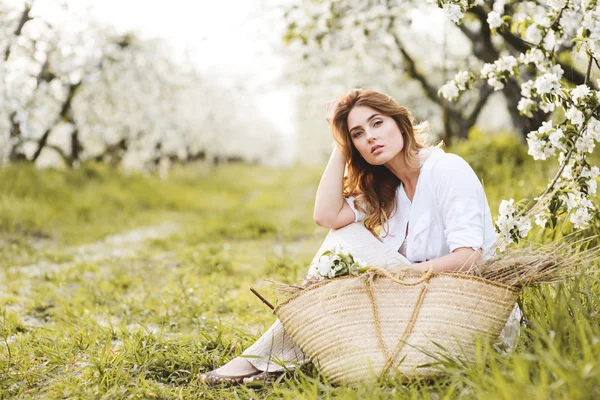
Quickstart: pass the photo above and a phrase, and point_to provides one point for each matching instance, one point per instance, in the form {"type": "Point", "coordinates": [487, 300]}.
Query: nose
{"type": "Point", "coordinates": [370, 135]}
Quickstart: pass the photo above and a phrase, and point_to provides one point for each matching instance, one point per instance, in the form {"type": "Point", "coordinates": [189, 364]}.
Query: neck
{"type": "Point", "coordinates": [407, 173]}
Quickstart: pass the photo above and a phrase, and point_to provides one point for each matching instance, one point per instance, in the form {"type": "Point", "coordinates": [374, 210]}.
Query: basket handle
{"type": "Point", "coordinates": [379, 271]}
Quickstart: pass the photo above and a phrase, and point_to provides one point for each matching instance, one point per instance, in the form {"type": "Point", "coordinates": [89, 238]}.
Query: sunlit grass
{"type": "Point", "coordinates": [141, 315]}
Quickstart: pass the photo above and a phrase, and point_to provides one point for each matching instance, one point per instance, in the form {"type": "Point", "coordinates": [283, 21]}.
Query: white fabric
{"type": "Point", "coordinates": [449, 210]}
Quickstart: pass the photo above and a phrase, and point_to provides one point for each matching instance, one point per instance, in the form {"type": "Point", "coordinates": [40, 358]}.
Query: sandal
{"type": "Point", "coordinates": [213, 378]}
{"type": "Point", "coordinates": [263, 377]}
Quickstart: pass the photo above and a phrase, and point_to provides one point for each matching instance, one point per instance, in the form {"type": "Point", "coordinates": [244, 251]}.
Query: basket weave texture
{"type": "Point", "coordinates": [357, 329]}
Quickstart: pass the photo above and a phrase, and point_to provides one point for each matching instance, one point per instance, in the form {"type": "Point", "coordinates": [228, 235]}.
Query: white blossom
{"type": "Point", "coordinates": [494, 20]}
{"type": "Point", "coordinates": [585, 143]}
{"type": "Point", "coordinates": [557, 4]}
{"type": "Point", "coordinates": [526, 88]}
{"type": "Point", "coordinates": [579, 93]}
{"type": "Point", "coordinates": [323, 265]}
{"type": "Point", "coordinates": [556, 139]}
{"type": "Point", "coordinates": [575, 116]}
{"type": "Point", "coordinates": [547, 107]}
{"type": "Point", "coordinates": [538, 147]}
{"type": "Point", "coordinates": [495, 83]}
{"type": "Point", "coordinates": [567, 172]}
{"type": "Point", "coordinates": [546, 127]}
{"type": "Point", "coordinates": [541, 219]}
{"type": "Point", "coordinates": [507, 207]}
{"type": "Point", "coordinates": [525, 105]}
{"type": "Point", "coordinates": [581, 211]}
{"type": "Point", "coordinates": [449, 90]}
{"type": "Point", "coordinates": [454, 12]}
{"type": "Point", "coordinates": [506, 63]}
{"type": "Point", "coordinates": [593, 129]}
{"type": "Point", "coordinates": [487, 70]}
{"type": "Point", "coordinates": [546, 83]}
{"type": "Point", "coordinates": [592, 175]}
{"type": "Point", "coordinates": [461, 79]}
{"type": "Point", "coordinates": [557, 70]}
{"type": "Point", "coordinates": [533, 34]}
{"type": "Point", "coordinates": [524, 226]}
{"type": "Point", "coordinates": [532, 56]}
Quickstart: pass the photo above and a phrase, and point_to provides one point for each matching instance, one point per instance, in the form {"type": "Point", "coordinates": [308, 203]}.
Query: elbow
{"type": "Point", "coordinates": [323, 220]}
{"type": "Point", "coordinates": [320, 220]}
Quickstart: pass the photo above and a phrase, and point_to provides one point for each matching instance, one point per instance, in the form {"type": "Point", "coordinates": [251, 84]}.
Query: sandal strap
{"type": "Point", "coordinates": [221, 376]}
{"type": "Point", "coordinates": [213, 378]}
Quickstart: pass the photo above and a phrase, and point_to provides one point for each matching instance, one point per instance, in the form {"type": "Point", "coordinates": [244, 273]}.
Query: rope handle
{"type": "Point", "coordinates": [379, 271]}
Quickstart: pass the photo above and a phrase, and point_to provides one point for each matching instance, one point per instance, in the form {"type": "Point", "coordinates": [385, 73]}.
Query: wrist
{"type": "Point", "coordinates": [419, 267]}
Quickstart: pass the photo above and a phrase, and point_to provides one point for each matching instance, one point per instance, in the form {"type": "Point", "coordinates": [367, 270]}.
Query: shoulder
{"type": "Point", "coordinates": [451, 173]}
{"type": "Point", "coordinates": [445, 162]}
{"type": "Point", "coordinates": [444, 166]}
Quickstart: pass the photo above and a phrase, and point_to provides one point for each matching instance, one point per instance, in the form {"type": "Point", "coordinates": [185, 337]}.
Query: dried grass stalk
{"type": "Point", "coordinates": [535, 263]}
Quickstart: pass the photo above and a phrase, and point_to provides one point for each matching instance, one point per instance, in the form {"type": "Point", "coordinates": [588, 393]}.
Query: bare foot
{"type": "Point", "coordinates": [239, 366]}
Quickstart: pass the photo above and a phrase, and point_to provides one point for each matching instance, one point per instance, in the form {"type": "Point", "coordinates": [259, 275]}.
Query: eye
{"type": "Point", "coordinates": [377, 123]}
{"type": "Point", "coordinates": [356, 134]}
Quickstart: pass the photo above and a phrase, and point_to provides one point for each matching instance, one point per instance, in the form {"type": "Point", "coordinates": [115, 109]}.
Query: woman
{"type": "Point", "coordinates": [428, 206]}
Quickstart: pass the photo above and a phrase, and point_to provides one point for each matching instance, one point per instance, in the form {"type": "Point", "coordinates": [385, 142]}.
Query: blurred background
{"type": "Point", "coordinates": [144, 85]}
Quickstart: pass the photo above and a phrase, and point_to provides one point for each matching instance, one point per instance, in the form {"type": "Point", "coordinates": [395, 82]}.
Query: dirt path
{"type": "Point", "coordinates": [114, 247]}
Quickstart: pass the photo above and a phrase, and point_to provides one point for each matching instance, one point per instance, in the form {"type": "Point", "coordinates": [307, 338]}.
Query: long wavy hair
{"type": "Point", "coordinates": [374, 186]}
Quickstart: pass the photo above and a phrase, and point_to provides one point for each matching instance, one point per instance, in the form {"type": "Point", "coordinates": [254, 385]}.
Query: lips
{"type": "Point", "coordinates": [376, 148]}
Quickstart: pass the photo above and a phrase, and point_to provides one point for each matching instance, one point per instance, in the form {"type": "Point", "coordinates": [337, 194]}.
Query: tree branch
{"type": "Point", "coordinates": [485, 92]}
{"type": "Point", "coordinates": [24, 18]}
{"type": "Point", "coordinates": [473, 36]}
{"type": "Point", "coordinates": [60, 152]}
{"type": "Point", "coordinates": [411, 69]}
{"type": "Point", "coordinates": [63, 113]}
{"type": "Point", "coordinates": [112, 149]}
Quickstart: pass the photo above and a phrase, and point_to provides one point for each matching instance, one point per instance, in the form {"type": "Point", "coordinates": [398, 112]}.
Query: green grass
{"type": "Point", "coordinates": [140, 317]}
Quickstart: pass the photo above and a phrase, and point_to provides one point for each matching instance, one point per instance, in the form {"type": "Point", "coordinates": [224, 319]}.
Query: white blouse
{"type": "Point", "coordinates": [449, 210]}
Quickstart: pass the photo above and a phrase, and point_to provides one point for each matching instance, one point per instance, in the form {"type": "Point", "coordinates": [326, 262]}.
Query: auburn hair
{"type": "Point", "coordinates": [374, 186]}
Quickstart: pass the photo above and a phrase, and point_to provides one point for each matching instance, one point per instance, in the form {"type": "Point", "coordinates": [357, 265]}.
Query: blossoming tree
{"type": "Point", "coordinates": [541, 31]}
{"type": "Point", "coordinates": [73, 90]}
{"type": "Point", "coordinates": [392, 35]}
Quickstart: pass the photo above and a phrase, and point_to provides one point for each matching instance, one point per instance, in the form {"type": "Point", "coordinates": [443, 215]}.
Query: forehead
{"type": "Point", "coordinates": [359, 115]}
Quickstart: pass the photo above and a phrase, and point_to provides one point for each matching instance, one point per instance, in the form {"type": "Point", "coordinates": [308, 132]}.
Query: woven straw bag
{"type": "Point", "coordinates": [359, 328]}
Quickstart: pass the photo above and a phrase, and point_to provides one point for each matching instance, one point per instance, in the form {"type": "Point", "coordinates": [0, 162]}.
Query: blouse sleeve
{"type": "Point", "coordinates": [358, 216]}
{"type": "Point", "coordinates": [462, 203]}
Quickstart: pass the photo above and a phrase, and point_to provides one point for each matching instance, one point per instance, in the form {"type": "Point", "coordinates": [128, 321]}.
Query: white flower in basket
{"type": "Point", "coordinates": [334, 263]}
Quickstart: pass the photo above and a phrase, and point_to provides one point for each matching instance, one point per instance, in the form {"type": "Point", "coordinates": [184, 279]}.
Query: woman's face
{"type": "Point", "coordinates": [376, 136]}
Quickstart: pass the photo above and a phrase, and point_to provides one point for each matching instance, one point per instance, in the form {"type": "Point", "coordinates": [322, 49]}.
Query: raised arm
{"type": "Point", "coordinates": [331, 210]}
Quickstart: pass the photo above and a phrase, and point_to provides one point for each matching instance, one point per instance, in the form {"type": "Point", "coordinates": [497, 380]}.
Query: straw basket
{"type": "Point", "coordinates": [359, 328]}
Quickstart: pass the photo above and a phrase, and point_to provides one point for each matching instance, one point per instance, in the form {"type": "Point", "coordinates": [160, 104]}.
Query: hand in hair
{"type": "Point", "coordinates": [330, 108]}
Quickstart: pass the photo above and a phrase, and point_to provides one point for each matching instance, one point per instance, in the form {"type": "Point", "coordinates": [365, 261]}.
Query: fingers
{"type": "Point", "coordinates": [330, 108]}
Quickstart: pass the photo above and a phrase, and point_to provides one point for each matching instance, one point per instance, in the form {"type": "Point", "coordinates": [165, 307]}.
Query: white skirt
{"type": "Point", "coordinates": [275, 350]}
